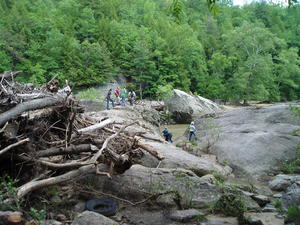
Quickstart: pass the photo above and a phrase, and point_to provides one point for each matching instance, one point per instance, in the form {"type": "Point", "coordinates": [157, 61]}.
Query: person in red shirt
{"type": "Point", "coordinates": [117, 94]}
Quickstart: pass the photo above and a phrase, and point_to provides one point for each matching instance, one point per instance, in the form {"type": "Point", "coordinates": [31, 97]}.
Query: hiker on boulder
{"type": "Point", "coordinates": [117, 94]}
{"type": "Point", "coordinates": [109, 99]}
{"type": "Point", "coordinates": [192, 130]}
{"type": "Point", "coordinates": [168, 135]}
{"type": "Point", "coordinates": [123, 96]}
{"type": "Point", "coordinates": [131, 97]}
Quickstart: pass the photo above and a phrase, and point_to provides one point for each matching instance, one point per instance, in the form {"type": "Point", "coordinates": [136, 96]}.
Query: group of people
{"type": "Point", "coordinates": [120, 96]}
{"type": "Point", "coordinates": [168, 134]}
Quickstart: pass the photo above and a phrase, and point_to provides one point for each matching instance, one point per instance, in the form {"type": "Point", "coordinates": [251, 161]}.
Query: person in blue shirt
{"type": "Point", "coordinates": [192, 130]}
{"type": "Point", "coordinates": [168, 135]}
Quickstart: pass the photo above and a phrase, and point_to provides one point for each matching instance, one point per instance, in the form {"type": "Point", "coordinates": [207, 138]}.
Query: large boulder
{"type": "Point", "coordinates": [291, 197]}
{"type": "Point", "coordinates": [255, 140]}
{"type": "Point", "coordinates": [140, 182]}
{"type": "Point", "coordinates": [282, 181]}
{"type": "Point", "coordinates": [185, 107]}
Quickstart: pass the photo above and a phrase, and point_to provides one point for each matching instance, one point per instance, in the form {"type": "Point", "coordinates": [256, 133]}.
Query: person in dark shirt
{"type": "Point", "coordinates": [109, 99]}
{"type": "Point", "coordinates": [168, 135]}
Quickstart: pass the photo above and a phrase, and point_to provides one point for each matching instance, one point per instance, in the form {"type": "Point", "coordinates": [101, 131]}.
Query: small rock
{"type": "Point", "coordinates": [55, 199]}
{"type": "Point", "coordinates": [269, 208]}
{"type": "Point", "coordinates": [92, 218]}
{"type": "Point", "coordinates": [185, 215]}
{"type": "Point", "coordinates": [79, 207]}
{"type": "Point", "coordinates": [261, 199]}
{"type": "Point", "coordinates": [281, 182]}
{"type": "Point", "coordinates": [51, 222]}
{"type": "Point", "coordinates": [61, 217]}
{"type": "Point", "coordinates": [279, 195]}
{"type": "Point", "coordinates": [254, 221]}
{"type": "Point", "coordinates": [65, 188]}
{"type": "Point", "coordinates": [228, 170]}
{"type": "Point", "coordinates": [209, 178]}
{"type": "Point", "coordinates": [12, 218]}
{"type": "Point", "coordinates": [291, 197]}
{"type": "Point", "coordinates": [248, 193]}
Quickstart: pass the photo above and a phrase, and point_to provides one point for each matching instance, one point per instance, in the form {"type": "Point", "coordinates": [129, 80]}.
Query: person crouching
{"type": "Point", "coordinates": [168, 135]}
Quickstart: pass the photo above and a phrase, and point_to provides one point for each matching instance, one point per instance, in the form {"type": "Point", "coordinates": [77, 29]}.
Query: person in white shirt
{"type": "Point", "coordinates": [131, 97]}
{"type": "Point", "coordinates": [192, 130]}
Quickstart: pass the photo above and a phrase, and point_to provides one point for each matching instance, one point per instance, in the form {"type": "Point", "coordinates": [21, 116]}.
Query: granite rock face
{"type": "Point", "coordinates": [186, 108]}
{"type": "Point", "coordinates": [255, 141]}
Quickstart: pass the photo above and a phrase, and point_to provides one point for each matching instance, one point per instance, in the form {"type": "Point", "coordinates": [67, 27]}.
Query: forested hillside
{"type": "Point", "coordinates": [249, 53]}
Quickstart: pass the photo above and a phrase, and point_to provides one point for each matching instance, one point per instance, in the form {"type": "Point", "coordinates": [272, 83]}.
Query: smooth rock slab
{"type": "Point", "coordinates": [139, 182]}
{"type": "Point", "coordinates": [185, 215]}
{"type": "Point", "coordinates": [92, 218]}
{"type": "Point", "coordinates": [254, 141]}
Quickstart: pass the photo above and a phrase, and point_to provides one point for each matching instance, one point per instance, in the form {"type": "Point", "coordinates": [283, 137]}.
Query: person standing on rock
{"type": "Point", "coordinates": [117, 94]}
{"type": "Point", "coordinates": [168, 135]}
{"type": "Point", "coordinates": [109, 99]}
{"type": "Point", "coordinates": [131, 97]}
{"type": "Point", "coordinates": [192, 130]}
{"type": "Point", "coordinates": [123, 96]}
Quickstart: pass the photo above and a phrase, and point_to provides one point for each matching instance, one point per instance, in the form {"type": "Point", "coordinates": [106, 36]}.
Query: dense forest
{"type": "Point", "coordinates": [248, 53]}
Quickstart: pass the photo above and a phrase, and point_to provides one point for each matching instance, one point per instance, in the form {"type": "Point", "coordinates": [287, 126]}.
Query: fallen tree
{"type": "Point", "coordinates": [44, 129]}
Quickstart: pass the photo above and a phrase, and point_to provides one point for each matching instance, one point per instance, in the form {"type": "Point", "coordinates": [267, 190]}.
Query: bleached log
{"type": "Point", "coordinates": [34, 185]}
{"type": "Point", "coordinates": [96, 126]}
{"type": "Point", "coordinates": [73, 149]}
{"type": "Point", "coordinates": [31, 105]}
{"type": "Point", "coordinates": [13, 145]}
{"type": "Point", "coordinates": [31, 96]}
{"type": "Point", "coordinates": [148, 148]}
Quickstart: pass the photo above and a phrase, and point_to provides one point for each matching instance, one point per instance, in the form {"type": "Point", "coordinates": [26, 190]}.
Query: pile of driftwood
{"type": "Point", "coordinates": [44, 133]}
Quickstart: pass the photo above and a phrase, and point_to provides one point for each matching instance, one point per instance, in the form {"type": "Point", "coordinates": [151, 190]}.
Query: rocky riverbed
{"type": "Point", "coordinates": [230, 175]}
{"type": "Point", "coordinates": [197, 183]}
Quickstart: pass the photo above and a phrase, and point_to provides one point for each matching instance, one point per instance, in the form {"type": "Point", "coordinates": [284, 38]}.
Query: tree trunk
{"type": "Point", "coordinates": [31, 105]}
{"type": "Point", "coordinates": [34, 185]}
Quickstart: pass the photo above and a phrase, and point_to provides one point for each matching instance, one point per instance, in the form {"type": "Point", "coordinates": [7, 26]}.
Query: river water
{"type": "Point", "coordinates": [177, 130]}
